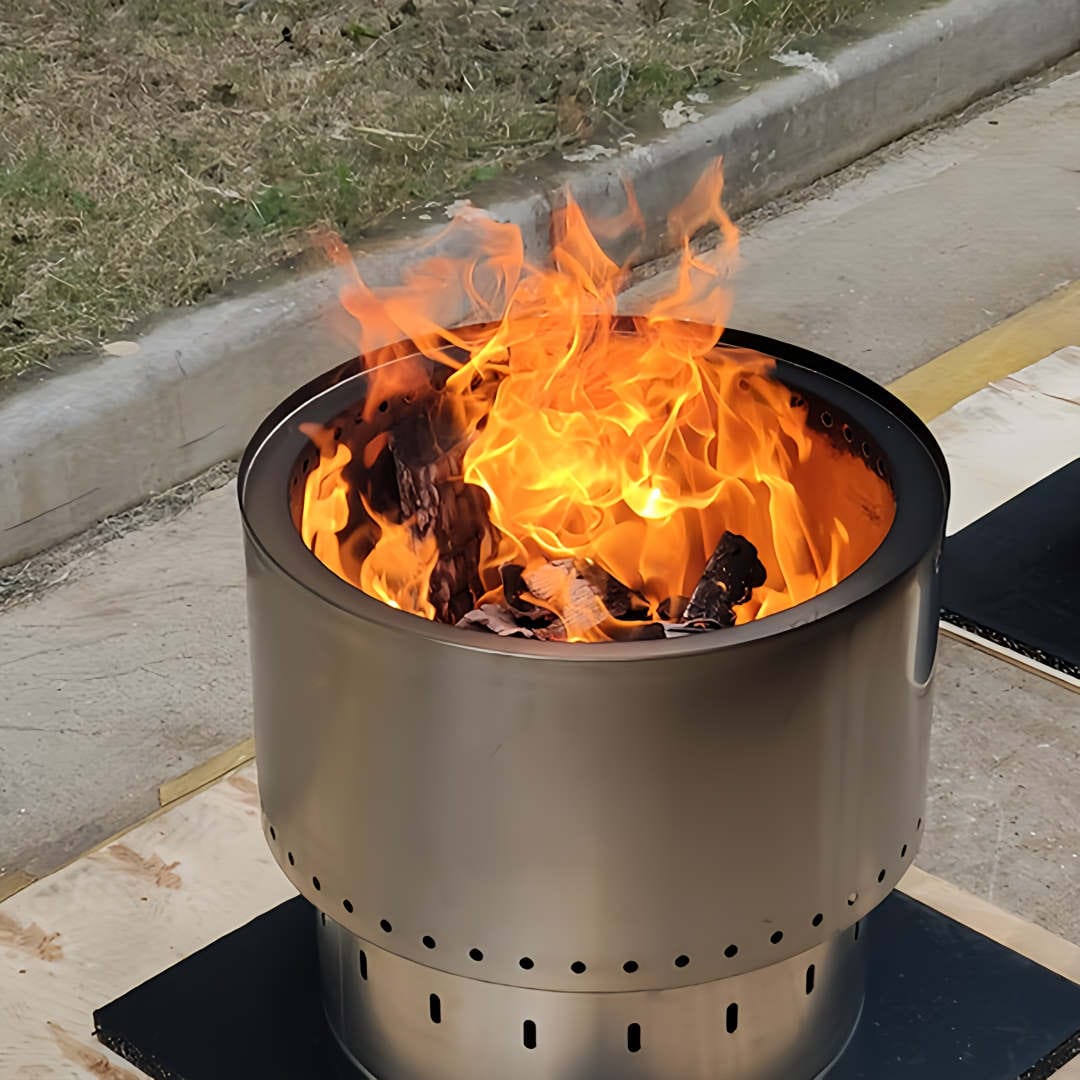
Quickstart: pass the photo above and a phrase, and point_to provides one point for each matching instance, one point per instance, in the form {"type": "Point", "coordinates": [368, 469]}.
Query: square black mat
{"type": "Point", "coordinates": [1013, 576]}
{"type": "Point", "coordinates": [942, 1001]}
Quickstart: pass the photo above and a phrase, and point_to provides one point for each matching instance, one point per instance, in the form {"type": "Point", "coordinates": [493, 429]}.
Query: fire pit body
{"type": "Point", "coordinates": [642, 859]}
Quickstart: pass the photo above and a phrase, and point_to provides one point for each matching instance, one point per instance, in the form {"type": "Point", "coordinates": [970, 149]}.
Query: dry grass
{"type": "Point", "coordinates": [151, 150]}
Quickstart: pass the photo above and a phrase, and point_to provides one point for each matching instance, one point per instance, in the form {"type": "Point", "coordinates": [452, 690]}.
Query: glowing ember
{"type": "Point", "coordinates": [624, 450]}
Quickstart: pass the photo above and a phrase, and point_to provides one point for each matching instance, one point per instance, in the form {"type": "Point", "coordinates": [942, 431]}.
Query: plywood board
{"type": "Point", "coordinates": [1037, 331]}
{"type": "Point", "coordinates": [1010, 435]}
{"type": "Point", "coordinates": [116, 917]}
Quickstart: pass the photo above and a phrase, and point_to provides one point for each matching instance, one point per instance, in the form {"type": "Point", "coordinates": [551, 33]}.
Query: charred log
{"type": "Point", "coordinates": [731, 574]}
{"type": "Point", "coordinates": [520, 601]}
{"type": "Point", "coordinates": [567, 598]}
{"type": "Point", "coordinates": [621, 602]}
{"type": "Point", "coordinates": [435, 500]}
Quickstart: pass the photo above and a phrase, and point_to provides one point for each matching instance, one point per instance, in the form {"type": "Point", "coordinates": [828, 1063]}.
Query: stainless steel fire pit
{"type": "Point", "coordinates": [634, 860]}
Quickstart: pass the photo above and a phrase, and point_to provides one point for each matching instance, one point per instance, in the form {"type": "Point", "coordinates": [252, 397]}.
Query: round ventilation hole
{"type": "Point", "coordinates": [315, 882]}
{"type": "Point", "coordinates": [578, 967]}
{"type": "Point", "coordinates": [526, 963]}
{"type": "Point", "coordinates": [428, 941]}
{"type": "Point", "coordinates": [918, 824]}
{"type": "Point", "coordinates": [630, 967]}
{"type": "Point", "coordinates": [881, 876]}
{"type": "Point", "coordinates": [826, 419]}
{"type": "Point", "coordinates": [476, 954]}
{"type": "Point", "coordinates": [273, 833]}
{"type": "Point", "coordinates": [347, 905]}
{"type": "Point", "coordinates": [682, 961]}
{"type": "Point", "coordinates": [903, 851]}
{"type": "Point", "coordinates": [731, 950]}
{"type": "Point", "coordinates": [817, 920]}
{"type": "Point", "coordinates": [292, 861]}
{"type": "Point", "coordinates": [384, 926]}
{"type": "Point", "coordinates": [776, 937]}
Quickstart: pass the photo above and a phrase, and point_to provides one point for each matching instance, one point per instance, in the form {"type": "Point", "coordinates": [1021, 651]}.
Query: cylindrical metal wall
{"type": "Point", "coordinates": [410, 1022]}
{"type": "Point", "coordinates": [499, 818]}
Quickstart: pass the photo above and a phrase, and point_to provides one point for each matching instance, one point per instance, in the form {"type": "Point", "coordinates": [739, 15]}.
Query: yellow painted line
{"type": "Point", "coordinates": [14, 881]}
{"type": "Point", "coordinates": [169, 794]}
{"type": "Point", "coordinates": [182, 788]}
{"type": "Point", "coordinates": [206, 773]}
{"type": "Point", "coordinates": [1027, 337]}
{"type": "Point", "coordinates": [1012, 931]}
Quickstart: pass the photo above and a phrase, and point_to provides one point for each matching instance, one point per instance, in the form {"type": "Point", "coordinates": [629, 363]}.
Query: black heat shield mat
{"type": "Point", "coordinates": [1013, 576]}
{"type": "Point", "coordinates": [942, 1002]}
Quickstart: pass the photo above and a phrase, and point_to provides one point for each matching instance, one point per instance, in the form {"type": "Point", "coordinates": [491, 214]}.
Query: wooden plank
{"type": "Point", "coordinates": [1069, 1071]}
{"type": "Point", "coordinates": [114, 918]}
{"type": "Point", "coordinates": [1026, 663]}
{"type": "Point", "coordinates": [1010, 435]}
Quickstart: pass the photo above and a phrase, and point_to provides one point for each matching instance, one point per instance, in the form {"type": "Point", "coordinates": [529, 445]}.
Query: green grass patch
{"type": "Point", "coordinates": [152, 150]}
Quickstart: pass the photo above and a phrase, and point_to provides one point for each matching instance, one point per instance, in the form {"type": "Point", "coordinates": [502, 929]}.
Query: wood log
{"type": "Point", "coordinates": [732, 572]}
{"type": "Point", "coordinates": [434, 497]}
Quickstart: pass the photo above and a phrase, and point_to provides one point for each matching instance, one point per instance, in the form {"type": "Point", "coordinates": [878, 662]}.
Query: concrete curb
{"type": "Point", "coordinates": [80, 446]}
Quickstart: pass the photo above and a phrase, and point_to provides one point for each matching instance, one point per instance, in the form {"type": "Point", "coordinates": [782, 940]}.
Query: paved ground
{"type": "Point", "coordinates": [135, 668]}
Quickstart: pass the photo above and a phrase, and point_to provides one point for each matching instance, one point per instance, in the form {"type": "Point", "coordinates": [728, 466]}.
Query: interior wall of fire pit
{"type": "Point", "coordinates": [358, 427]}
{"type": "Point", "coordinates": [606, 817]}
{"type": "Point", "coordinates": [351, 427]}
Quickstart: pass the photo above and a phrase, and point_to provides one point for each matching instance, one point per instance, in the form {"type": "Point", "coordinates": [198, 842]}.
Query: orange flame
{"type": "Point", "coordinates": [631, 451]}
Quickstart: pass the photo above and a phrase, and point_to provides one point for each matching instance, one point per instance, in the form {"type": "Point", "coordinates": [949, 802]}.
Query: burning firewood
{"type": "Point", "coordinates": [435, 498]}
{"type": "Point", "coordinates": [523, 605]}
{"type": "Point", "coordinates": [732, 572]}
{"type": "Point", "coordinates": [570, 599]}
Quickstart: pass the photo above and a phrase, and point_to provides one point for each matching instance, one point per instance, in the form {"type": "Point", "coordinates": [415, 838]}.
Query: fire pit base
{"type": "Point", "coordinates": [401, 1020]}
{"type": "Point", "coordinates": [941, 1001]}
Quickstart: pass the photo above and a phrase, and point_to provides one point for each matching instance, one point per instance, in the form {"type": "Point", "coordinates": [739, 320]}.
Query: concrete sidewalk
{"type": "Point", "coordinates": [135, 668]}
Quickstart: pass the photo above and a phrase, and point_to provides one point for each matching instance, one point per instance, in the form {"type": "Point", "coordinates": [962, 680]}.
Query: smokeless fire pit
{"type": "Point", "coordinates": [641, 851]}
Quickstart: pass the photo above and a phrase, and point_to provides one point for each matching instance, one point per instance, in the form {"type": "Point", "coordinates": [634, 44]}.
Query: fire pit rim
{"type": "Point", "coordinates": [268, 525]}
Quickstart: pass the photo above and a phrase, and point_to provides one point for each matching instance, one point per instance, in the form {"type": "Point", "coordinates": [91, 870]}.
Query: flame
{"type": "Point", "coordinates": [628, 449]}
